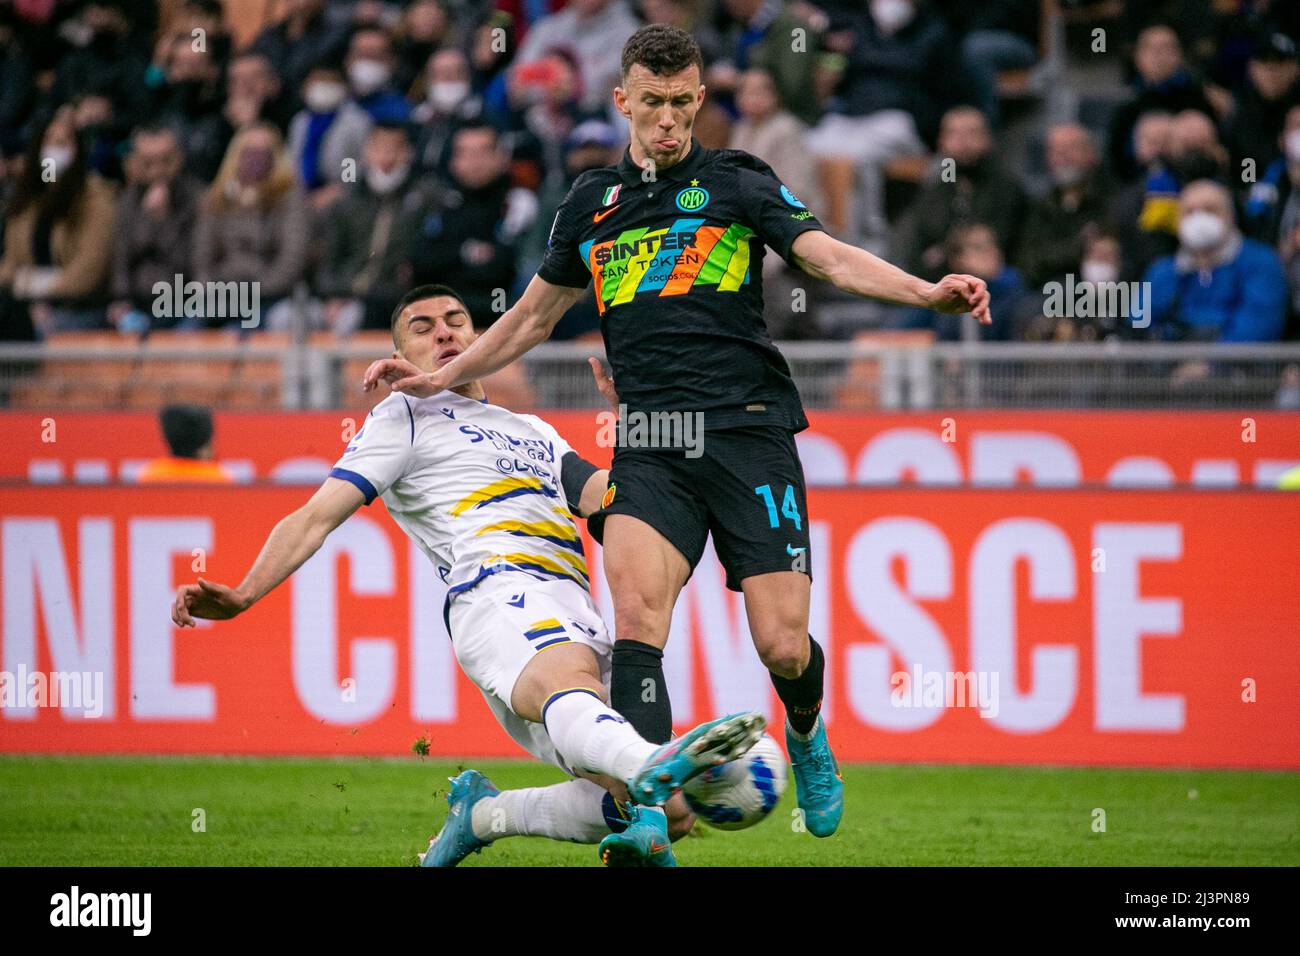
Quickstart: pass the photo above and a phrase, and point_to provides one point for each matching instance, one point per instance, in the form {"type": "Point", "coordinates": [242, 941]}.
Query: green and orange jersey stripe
{"type": "Point", "coordinates": [720, 258]}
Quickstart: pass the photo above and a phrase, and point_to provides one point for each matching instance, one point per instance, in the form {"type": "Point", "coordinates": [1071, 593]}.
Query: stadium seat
{"type": "Point", "coordinates": [378, 339]}
{"type": "Point", "coordinates": [263, 356]}
{"type": "Point", "coordinates": [78, 380]}
{"type": "Point", "coordinates": [198, 376]}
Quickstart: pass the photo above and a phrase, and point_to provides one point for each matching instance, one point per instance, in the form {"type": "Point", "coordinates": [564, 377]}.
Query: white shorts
{"type": "Point", "coordinates": [506, 620]}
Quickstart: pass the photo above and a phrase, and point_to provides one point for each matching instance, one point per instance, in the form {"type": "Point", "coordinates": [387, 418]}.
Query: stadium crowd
{"type": "Point", "coordinates": [350, 148]}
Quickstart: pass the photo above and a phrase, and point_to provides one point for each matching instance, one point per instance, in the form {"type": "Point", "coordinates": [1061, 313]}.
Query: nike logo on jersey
{"type": "Point", "coordinates": [598, 216]}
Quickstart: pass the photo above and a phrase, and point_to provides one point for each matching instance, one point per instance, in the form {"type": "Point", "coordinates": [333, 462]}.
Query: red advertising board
{"type": "Point", "coordinates": [1058, 448]}
{"type": "Point", "coordinates": [1084, 626]}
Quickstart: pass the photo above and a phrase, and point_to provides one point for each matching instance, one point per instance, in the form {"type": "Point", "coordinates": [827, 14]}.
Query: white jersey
{"type": "Point", "coordinates": [476, 486]}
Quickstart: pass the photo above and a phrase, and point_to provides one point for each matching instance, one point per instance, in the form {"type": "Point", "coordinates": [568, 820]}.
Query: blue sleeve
{"type": "Point", "coordinates": [1261, 313]}
{"type": "Point", "coordinates": [380, 453]}
{"type": "Point", "coordinates": [1162, 280]}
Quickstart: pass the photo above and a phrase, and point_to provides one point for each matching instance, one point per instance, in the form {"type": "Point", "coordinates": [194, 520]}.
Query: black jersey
{"type": "Point", "coordinates": [677, 261]}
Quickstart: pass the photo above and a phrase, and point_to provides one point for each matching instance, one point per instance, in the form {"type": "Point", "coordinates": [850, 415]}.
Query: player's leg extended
{"type": "Point", "coordinates": [646, 574]}
{"type": "Point", "coordinates": [576, 811]}
{"type": "Point", "coordinates": [561, 689]}
{"type": "Point", "coordinates": [776, 605]}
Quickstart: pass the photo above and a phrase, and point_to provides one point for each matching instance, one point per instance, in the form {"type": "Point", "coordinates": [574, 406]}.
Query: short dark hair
{"type": "Point", "coordinates": [476, 126]}
{"type": "Point", "coordinates": [427, 291]}
{"type": "Point", "coordinates": [159, 128]}
{"type": "Point", "coordinates": [393, 126]}
{"type": "Point", "coordinates": [186, 429]}
{"type": "Point", "coordinates": [661, 49]}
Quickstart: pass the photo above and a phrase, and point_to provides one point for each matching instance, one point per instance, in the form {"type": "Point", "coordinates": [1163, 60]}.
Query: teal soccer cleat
{"type": "Point", "coordinates": [817, 779]}
{"type": "Point", "coordinates": [644, 843]}
{"type": "Point", "coordinates": [456, 839]}
{"type": "Point", "coordinates": [708, 745]}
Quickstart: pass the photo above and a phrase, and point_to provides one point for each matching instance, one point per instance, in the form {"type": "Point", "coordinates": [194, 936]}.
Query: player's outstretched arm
{"type": "Point", "coordinates": [295, 539]}
{"type": "Point", "coordinates": [859, 272]}
{"type": "Point", "coordinates": [528, 323]}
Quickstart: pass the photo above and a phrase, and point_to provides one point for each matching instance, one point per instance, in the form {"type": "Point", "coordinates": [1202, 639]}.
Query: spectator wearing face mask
{"type": "Point", "coordinates": [58, 233]}
{"type": "Point", "coordinates": [370, 231]}
{"type": "Point", "coordinates": [1164, 83]}
{"type": "Point", "coordinates": [370, 67]}
{"type": "Point", "coordinates": [1100, 268]}
{"type": "Point", "coordinates": [897, 80]}
{"type": "Point", "coordinates": [1051, 238]}
{"type": "Point", "coordinates": [476, 232]}
{"type": "Point", "coordinates": [154, 231]}
{"type": "Point", "coordinates": [448, 100]}
{"type": "Point", "coordinates": [327, 135]}
{"type": "Point", "coordinates": [1184, 148]}
{"type": "Point", "coordinates": [254, 224]}
{"type": "Point", "coordinates": [1219, 286]}
{"type": "Point", "coordinates": [303, 39]}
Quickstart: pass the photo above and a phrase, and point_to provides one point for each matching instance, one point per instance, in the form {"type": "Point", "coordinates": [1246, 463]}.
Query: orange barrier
{"type": "Point", "coordinates": [1096, 627]}
{"type": "Point", "coordinates": [1059, 448]}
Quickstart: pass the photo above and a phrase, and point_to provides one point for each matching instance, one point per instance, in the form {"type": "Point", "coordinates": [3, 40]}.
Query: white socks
{"type": "Point", "coordinates": [592, 737]}
{"type": "Point", "coordinates": [574, 811]}
{"type": "Point", "coordinates": [571, 811]}
{"type": "Point", "coordinates": [589, 736]}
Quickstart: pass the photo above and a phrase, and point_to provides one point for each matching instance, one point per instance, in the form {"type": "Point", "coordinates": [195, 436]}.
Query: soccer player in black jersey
{"type": "Point", "coordinates": [674, 237]}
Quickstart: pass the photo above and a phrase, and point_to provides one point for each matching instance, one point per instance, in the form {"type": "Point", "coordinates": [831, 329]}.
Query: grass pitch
{"type": "Point", "coordinates": [122, 811]}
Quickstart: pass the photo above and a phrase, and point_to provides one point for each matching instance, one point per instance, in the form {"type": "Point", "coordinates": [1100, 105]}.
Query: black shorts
{"type": "Point", "coordinates": [746, 488]}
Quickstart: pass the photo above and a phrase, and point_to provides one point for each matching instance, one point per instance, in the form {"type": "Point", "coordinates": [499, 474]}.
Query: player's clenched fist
{"type": "Point", "coordinates": [956, 294]}
{"type": "Point", "coordinates": [209, 600]}
{"type": "Point", "coordinates": [401, 376]}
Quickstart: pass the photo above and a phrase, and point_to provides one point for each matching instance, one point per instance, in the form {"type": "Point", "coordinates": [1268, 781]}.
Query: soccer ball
{"type": "Point", "coordinates": [738, 794]}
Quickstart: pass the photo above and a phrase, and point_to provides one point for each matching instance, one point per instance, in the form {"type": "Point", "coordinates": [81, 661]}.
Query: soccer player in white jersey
{"type": "Point", "coordinates": [489, 497]}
